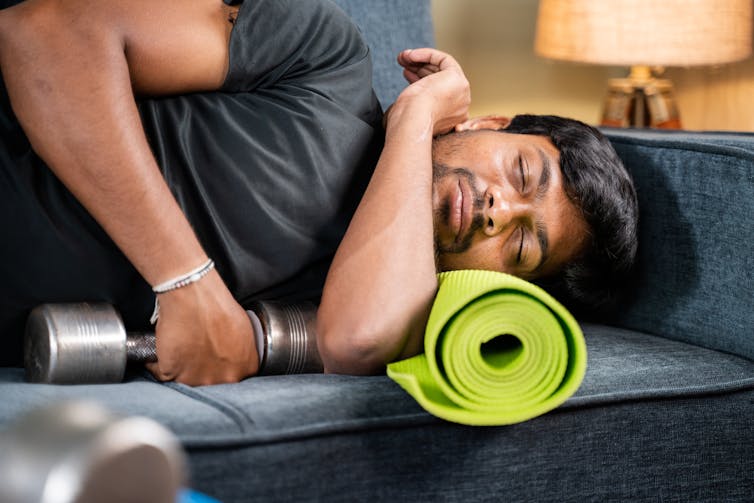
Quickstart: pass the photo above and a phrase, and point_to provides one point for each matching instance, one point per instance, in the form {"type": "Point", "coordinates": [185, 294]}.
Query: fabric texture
{"type": "Point", "coordinates": [390, 26]}
{"type": "Point", "coordinates": [497, 350]}
{"type": "Point", "coordinates": [695, 269]}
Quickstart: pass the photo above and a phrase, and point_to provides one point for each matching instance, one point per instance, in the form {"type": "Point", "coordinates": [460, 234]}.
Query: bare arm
{"type": "Point", "coordinates": [383, 278]}
{"type": "Point", "coordinates": [71, 69]}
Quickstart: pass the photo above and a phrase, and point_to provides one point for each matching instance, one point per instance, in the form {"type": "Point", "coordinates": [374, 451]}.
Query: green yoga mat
{"type": "Point", "coordinates": [497, 350]}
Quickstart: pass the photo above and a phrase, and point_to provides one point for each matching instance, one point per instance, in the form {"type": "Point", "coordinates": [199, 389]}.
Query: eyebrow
{"type": "Point", "coordinates": [542, 186]}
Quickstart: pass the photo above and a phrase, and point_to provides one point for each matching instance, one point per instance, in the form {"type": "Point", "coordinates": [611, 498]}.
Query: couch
{"type": "Point", "coordinates": [665, 411]}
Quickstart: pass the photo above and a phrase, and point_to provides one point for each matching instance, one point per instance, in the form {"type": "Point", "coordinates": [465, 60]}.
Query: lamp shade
{"type": "Point", "coordinates": [645, 32]}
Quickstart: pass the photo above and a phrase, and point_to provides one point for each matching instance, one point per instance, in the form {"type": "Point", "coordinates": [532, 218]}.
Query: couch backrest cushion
{"type": "Point", "coordinates": [695, 275]}
{"type": "Point", "coordinates": [389, 26]}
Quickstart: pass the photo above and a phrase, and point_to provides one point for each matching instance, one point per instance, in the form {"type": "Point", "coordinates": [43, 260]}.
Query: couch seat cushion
{"type": "Point", "coordinates": [623, 365]}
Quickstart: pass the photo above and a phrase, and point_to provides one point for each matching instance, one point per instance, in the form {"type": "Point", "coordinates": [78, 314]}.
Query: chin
{"type": "Point", "coordinates": [444, 265]}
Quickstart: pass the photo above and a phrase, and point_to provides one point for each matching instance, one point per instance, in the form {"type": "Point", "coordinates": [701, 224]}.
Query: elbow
{"type": "Point", "coordinates": [353, 349]}
{"type": "Point", "coordinates": [361, 336]}
{"type": "Point", "coordinates": [364, 345]}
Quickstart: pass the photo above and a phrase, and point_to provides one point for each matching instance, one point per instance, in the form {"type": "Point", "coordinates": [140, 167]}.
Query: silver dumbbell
{"type": "Point", "coordinates": [88, 343]}
{"type": "Point", "coordinates": [79, 452]}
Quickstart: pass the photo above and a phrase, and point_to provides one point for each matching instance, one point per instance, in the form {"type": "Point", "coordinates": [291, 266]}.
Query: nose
{"type": "Point", "coordinates": [503, 208]}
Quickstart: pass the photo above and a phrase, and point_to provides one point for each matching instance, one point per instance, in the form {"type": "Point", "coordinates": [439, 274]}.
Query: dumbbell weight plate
{"type": "Point", "coordinates": [74, 343]}
{"type": "Point", "coordinates": [289, 343]}
{"type": "Point", "coordinates": [78, 452]}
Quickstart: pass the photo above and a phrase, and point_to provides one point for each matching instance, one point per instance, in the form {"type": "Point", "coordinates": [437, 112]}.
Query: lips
{"type": "Point", "coordinates": [460, 210]}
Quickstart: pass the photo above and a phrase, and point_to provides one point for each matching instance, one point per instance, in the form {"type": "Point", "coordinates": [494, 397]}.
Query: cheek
{"type": "Point", "coordinates": [484, 254]}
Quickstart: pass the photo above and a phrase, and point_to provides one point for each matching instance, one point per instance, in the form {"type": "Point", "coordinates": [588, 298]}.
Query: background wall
{"type": "Point", "coordinates": [493, 40]}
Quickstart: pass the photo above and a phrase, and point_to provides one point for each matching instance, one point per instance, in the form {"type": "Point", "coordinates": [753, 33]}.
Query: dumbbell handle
{"type": "Point", "coordinates": [141, 347]}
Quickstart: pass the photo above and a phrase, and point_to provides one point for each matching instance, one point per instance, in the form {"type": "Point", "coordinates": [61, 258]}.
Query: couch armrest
{"type": "Point", "coordinates": [695, 271]}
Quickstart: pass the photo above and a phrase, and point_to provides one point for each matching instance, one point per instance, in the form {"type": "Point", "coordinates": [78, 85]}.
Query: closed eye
{"type": "Point", "coordinates": [521, 170]}
{"type": "Point", "coordinates": [520, 247]}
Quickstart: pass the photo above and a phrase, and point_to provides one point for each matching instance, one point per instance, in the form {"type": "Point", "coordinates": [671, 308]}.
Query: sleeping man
{"type": "Point", "coordinates": [144, 141]}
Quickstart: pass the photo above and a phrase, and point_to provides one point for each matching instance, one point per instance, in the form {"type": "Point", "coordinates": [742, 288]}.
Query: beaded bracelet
{"type": "Point", "coordinates": [178, 282]}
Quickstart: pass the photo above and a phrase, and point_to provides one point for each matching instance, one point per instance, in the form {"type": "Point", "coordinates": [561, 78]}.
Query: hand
{"type": "Point", "coordinates": [204, 336]}
{"type": "Point", "coordinates": [436, 77]}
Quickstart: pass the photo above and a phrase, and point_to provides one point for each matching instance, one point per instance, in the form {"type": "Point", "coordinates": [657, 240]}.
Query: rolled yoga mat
{"type": "Point", "coordinates": [497, 350]}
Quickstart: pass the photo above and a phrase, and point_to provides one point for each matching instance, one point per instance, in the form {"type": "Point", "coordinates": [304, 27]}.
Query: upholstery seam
{"type": "Point", "coordinates": [729, 387]}
{"type": "Point", "coordinates": [236, 414]}
{"type": "Point", "coordinates": [321, 429]}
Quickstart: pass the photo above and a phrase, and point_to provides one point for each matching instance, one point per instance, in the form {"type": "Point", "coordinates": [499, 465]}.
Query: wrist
{"type": "Point", "coordinates": [195, 289]}
{"type": "Point", "coordinates": [411, 113]}
{"type": "Point", "coordinates": [185, 279]}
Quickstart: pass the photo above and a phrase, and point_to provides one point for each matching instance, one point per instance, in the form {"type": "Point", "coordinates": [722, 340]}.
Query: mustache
{"type": "Point", "coordinates": [441, 171]}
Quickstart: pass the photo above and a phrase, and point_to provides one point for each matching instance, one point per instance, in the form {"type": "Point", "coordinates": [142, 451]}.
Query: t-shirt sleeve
{"type": "Point", "coordinates": [277, 41]}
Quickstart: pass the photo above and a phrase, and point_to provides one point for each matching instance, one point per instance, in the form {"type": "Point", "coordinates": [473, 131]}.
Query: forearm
{"type": "Point", "coordinates": [382, 281]}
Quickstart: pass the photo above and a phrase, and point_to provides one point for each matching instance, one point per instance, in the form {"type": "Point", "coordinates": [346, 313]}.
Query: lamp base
{"type": "Point", "coordinates": [642, 102]}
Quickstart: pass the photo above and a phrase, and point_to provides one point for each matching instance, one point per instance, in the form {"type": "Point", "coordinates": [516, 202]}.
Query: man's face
{"type": "Point", "coordinates": [499, 204]}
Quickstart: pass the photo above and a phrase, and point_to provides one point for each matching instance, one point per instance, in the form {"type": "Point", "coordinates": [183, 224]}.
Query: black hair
{"type": "Point", "coordinates": [601, 188]}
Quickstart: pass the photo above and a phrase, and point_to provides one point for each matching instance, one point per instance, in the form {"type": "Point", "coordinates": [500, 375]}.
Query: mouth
{"type": "Point", "coordinates": [461, 210]}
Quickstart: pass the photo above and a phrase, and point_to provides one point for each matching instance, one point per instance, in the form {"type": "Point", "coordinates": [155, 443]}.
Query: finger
{"type": "Point", "coordinates": [416, 65]}
{"type": "Point", "coordinates": [157, 372]}
{"type": "Point", "coordinates": [415, 56]}
{"type": "Point", "coordinates": [410, 76]}
{"type": "Point", "coordinates": [154, 369]}
{"type": "Point", "coordinates": [426, 70]}
{"type": "Point", "coordinates": [427, 55]}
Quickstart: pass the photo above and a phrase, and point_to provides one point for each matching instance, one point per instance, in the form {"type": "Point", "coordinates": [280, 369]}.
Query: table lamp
{"type": "Point", "coordinates": [645, 35]}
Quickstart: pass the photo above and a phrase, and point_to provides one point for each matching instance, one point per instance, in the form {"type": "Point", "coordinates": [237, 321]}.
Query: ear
{"type": "Point", "coordinates": [486, 122]}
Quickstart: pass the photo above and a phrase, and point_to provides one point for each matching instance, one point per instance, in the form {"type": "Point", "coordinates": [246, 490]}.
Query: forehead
{"type": "Point", "coordinates": [491, 141]}
{"type": "Point", "coordinates": [481, 150]}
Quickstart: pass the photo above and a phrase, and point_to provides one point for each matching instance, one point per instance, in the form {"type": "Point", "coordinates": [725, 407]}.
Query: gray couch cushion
{"type": "Point", "coordinates": [643, 397]}
{"type": "Point", "coordinates": [695, 266]}
{"type": "Point", "coordinates": [623, 366]}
